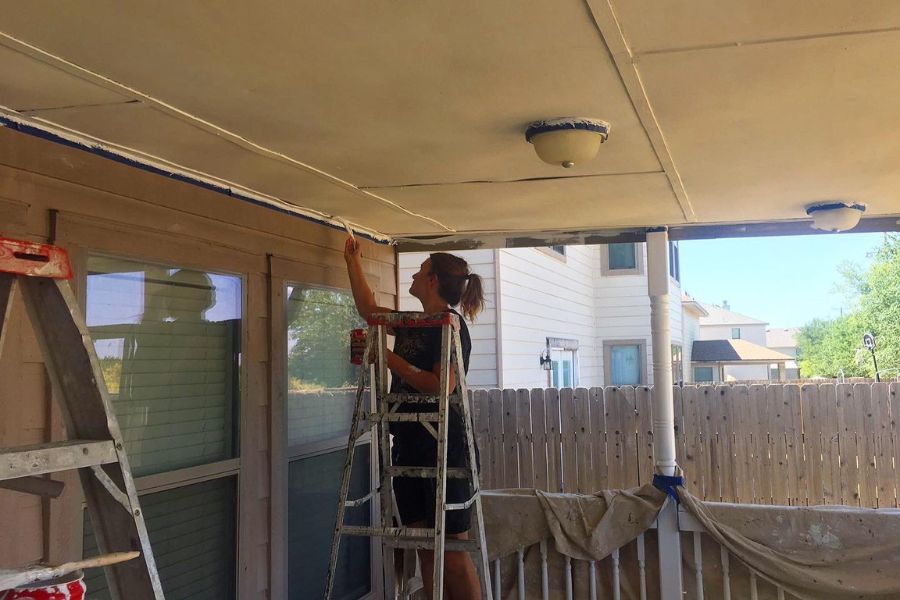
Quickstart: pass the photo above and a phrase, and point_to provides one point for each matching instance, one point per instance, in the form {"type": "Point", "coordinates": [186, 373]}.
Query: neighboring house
{"type": "Point", "coordinates": [733, 347]}
{"type": "Point", "coordinates": [566, 316]}
{"type": "Point", "coordinates": [784, 340]}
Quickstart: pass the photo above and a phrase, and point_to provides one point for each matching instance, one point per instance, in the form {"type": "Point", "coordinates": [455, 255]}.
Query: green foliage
{"type": "Point", "coordinates": [829, 348]}
{"type": "Point", "coordinates": [319, 324]}
{"type": "Point", "coordinates": [112, 373]}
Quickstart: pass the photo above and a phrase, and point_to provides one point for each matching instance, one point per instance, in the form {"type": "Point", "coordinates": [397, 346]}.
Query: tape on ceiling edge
{"type": "Point", "coordinates": [59, 136]}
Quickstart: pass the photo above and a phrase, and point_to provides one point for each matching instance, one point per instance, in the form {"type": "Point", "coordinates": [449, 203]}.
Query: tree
{"type": "Point", "coordinates": [319, 324]}
{"type": "Point", "coordinates": [831, 348]}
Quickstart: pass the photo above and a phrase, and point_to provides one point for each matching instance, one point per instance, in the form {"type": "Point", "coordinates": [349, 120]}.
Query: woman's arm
{"type": "Point", "coordinates": [362, 293]}
{"type": "Point", "coordinates": [427, 382]}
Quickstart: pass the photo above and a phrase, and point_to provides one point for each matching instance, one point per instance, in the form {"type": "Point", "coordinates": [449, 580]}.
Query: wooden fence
{"type": "Point", "coordinates": [763, 444]}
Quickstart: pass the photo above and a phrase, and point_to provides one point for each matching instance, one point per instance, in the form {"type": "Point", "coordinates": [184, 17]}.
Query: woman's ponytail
{"type": "Point", "coordinates": [457, 285]}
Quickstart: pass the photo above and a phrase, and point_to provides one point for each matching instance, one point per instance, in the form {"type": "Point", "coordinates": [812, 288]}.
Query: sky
{"type": "Point", "coordinates": [786, 281]}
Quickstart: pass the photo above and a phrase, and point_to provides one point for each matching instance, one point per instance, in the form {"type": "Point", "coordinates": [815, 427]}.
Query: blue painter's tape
{"type": "Point", "coordinates": [669, 484]}
{"type": "Point", "coordinates": [104, 153]}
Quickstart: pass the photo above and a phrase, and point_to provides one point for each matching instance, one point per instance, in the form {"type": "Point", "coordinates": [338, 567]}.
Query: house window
{"type": "Point", "coordinates": [624, 362]}
{"type": "Point", "coordinates": [321, 394]}
{"type": "Point", "coordinates": [168, 342]}
{"type": "Point", "coordinates": [735, 333]}
{"type": "Point", "coordinates": [674, 262]}
{"type": "Point", "coordinates": [704, 374]}
{"type": "Point", "coordinates": [622, 259]}
{"type": "Point", "coordinates": [677, 364]}
{"type": "Point", "coordinates": [563, 362]}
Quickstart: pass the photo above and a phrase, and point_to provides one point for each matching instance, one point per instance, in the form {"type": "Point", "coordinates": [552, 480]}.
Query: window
{"type": "Point", "coordinates": [559, 250]}
{"type": "Point", "coordinates": [169, 345]}
{"type": "Point", "coordinates": [704, 374]}
{"type": "Point", "coordinates": [563, 368]}
{"type": "Point", "coordinates": [192, 531]}
{"type": "Point", "coordinates": [735, 333]}
{"type": "Point", "coordinates": [677, 364]}
{"type": "Point", "coordinates": [674, 262]}
{"type": "Point", "coordinates": [321, 394]}
{"type": "Point", "coordinates": [624, 362]}
{"type": "Point", "coordinates": [622, 259]}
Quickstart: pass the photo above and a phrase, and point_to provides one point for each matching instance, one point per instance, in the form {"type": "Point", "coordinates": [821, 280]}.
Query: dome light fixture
{"type": "Point", "coordinates": [835, 216]}
{"type": "Point", "coordinates": [567, 141]}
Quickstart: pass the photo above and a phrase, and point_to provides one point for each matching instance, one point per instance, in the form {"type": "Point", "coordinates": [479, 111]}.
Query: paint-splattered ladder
{"type": "Point", "coordinates": [95, 447]}
{"type": "Point", "coordinates": [382, 411]}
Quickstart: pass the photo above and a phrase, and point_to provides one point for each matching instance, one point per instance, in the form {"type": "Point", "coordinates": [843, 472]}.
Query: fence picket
{"type": "Point", "coordinates": [614, 437]}
{"type": "Point", "coordinates": [510, 440]}
{"type": "Point", "coordinates": [495, 468]}
{"type": "Point", "coordinates": [743, 446]}
{"type": "Point", "coordinates": [759, 440]}
{"type": "Point", "coordinates": [811, 409]}
{"type": "Point", "coordinates": [847, 430]}
{"type": "Point", "coordinates": [693, 445]}
{"type": "Point", "coordinates": [583, 436]}
{"type": "Point", "coordinates": [775, 418]}
{"type": "Point", "coordinates": [884, 453]}
{"type": "Point", "coordinates": [629, 428]}
{"type": "Point", "coordinates": [894, 404]}
{"type": "Point", "coordinates": [539, 439]}
{"type": "Point", "coordinates": [600, 470]}
{"type": "Point", "coordinates": [720, 473]}
{"type": "Point", "coordinates": [643, 399]}
{"type": "Point", "coordinates": [554, 440]}
{"type": "Point", "coordinates": [794, 446]}
{"type": "Point", "coordinates": [831, 447]}
{"type": "Point", "coordinates": [862, 396]}
{"type": "Point", "coordinates": [567, 418]}
{"type": "Point", "coordinates": [524, 438]}
{"type": "Point", "coordinates": [482, 424]}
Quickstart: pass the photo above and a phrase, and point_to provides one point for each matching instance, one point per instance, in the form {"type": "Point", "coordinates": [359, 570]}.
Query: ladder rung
{"type": "Point", "coordinates": [419, 543]}
{"type": "Point", "coordinates": [421, 417]}
{"type": "Point", "coordinates": [417, 399]}
{"type": "Point", "coordinates": [426, 472]}
{"type": "Point", "coordinates": [393, 532]}
{"type": "Point", "coordinates": [24, 461]}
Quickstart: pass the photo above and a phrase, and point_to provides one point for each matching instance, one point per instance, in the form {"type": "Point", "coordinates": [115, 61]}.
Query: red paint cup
{"type": "Point", "coordinates": [357, 345]}
{"type": "Point", "coordinates": [64, 588]}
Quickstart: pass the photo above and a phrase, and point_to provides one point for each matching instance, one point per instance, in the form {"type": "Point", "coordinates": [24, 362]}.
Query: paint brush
{"type": "Point", "coordinates": [347, 227]}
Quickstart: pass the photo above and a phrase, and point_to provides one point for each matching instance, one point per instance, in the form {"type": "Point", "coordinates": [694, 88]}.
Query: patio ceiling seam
{"type": "Point", "coordinates": [604, 17]}
{"type": "Point", "coordinates": [97, 78]}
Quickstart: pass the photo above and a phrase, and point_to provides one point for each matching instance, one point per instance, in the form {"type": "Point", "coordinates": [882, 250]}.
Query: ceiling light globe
{"type": "Point", "coordinates": [567, 141]}
{"type": "Point", "coordinates": [835, 216]}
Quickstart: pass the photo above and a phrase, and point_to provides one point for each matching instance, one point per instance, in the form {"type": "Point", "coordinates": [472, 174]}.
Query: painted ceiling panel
{"type": "Point", "coordinates": [421, 93]}
{"type": "Point", "coordinates": [160, 135]}
{"type": "Point", "coordinates": [27, 84]}
{"type": "Point", "coordinates": [656, 25]}
{"type": "Point", "coordinates": [762, 131]}
{"type": "Point", "coordinates": [591, 202]}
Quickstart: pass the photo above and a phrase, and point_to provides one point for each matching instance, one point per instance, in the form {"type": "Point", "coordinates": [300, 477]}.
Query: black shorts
{"type": "Point", "coordinates": [415, 447]}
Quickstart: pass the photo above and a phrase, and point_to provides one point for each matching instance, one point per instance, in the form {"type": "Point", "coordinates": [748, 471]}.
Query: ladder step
{"type": "Point", "coordinates": [395, 532]}
{"type": "Point", "coordinates": [422, 417]}
{"type": "Point", "coordinates": [426, 472]}
{"type": "Point", "coordinates": [420, 543]}
{"type": "Point", "coordinates": [24, 461]}
{"type": "Point", "coordinates": [417, 398]}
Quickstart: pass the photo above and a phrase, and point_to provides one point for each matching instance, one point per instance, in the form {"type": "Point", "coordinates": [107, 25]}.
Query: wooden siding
{"type": "Point", "coordinates": [547, 296]}
{"type": "Point", "coordinates": [111, 208]}
{"type": "Point", "coordinates": [483, 361]}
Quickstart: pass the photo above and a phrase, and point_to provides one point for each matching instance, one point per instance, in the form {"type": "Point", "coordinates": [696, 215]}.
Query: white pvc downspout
{"type": "Point", "coordinates": [663, 409]}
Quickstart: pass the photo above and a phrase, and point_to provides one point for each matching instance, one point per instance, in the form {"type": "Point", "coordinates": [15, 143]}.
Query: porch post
{"type": "Point", "coordinates": [663, 409]}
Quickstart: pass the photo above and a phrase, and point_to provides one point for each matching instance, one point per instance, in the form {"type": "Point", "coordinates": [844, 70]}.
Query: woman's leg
{"type": "Point", "coordinates": [460, 575]}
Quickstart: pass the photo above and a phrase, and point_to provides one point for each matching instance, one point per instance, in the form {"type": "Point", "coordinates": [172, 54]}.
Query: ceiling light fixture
{"type": "Point", "coordinates": [835, 216]}
{"type": "Point", "coordinates": [567, 141]}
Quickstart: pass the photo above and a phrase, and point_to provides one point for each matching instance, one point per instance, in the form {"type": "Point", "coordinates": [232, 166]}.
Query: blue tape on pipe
{"type": "Point", "coordinates": [669, 484]}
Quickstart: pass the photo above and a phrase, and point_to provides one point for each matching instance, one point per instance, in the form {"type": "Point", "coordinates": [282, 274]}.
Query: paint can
{"type": "Point", "coordinates": [68, 587]}
{"type": "Point", "coordinates": [357, 345]}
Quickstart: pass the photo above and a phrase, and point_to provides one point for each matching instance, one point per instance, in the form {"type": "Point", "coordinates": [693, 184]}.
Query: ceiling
{"type": "Point", "coordinates": [407, 119]}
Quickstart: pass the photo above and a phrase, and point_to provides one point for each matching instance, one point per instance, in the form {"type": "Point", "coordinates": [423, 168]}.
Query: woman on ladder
{"type": "Point", "coordinates": [442, 282]}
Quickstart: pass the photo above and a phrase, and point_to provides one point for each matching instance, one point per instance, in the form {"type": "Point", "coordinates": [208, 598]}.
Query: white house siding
{"type": "Point", "coordinates": [752, 332]}
{"type": "Point", "coordinates": [623, 311]}
{"type": "Point", "coordinates": [547, 296]}
{"type": "Point", "coordinates": [483, 362]}
{"type": "Point", "coordinates": [690, 331]}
